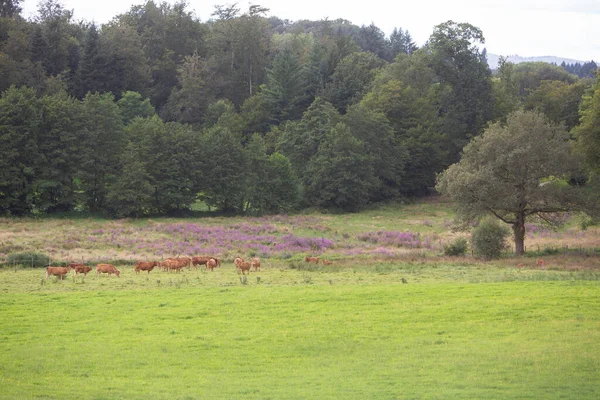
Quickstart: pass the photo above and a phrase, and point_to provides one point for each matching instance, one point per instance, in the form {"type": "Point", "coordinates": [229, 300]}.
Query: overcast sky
{"type": "Point", "coordinates": [562, 28]}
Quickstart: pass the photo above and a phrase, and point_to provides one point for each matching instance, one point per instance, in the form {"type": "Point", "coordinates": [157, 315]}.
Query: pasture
{"type": "Point", "coordinates": [390, 318]}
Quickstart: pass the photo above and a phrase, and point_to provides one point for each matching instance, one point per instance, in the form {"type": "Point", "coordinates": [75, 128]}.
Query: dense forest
{"type": "Point", "coordinates": [156, 110]}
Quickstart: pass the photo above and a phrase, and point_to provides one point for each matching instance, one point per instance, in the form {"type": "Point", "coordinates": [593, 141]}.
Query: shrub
{"type": "Point", "coordinates": [489, 239]}
{"type": "Point", "coordinates": [456, 248]}
{"type": "Point", "coordinates": [29, 259]}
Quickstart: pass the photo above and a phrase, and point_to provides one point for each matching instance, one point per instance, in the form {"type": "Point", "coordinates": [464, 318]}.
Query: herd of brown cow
{"type": "Point", "coordinates": [170, 264]}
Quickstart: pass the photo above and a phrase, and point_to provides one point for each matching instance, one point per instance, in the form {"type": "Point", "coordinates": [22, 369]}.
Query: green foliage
{"type": "Point", "coordinates": [340, 175]}
{"type": "Point", "coordinates": [502, 171]}
{"type": "Point", "coordinates": [132, 105]}
{"type": "Point", "coordinates": [285, 87]}
{"type": "Point", "coordinates": [489, 239]}
{"type": "Point", "coordinates": [462, 67]}
{"type": "Point", "coordinates": [20, 118]}
{"type": "Point", "coordinates": [588, 131]}
{"type": "Point", "coordinates": [28, 259]}
{"type": "Point", "coordinates": [458, 247]}
{"type": "Point", "coordinates": [351, 79]}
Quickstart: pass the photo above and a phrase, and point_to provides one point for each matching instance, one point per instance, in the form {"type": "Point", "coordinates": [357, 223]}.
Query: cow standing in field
{"type": "Point", "coordinates": [57, 271]}
{"type": "Point", "coordinates": [238, 261]}
{"type": "Point", "coordinates": [245, 266]}
{"type": "Point", "coordinates": [211, 264]}
{"type": "Point", "coordinates": [255, 262]}
{"type": "Point", "coordinates": [107, 269]}
{"type": "Point", "coordinates": [145, 266]}
{"type": "Point", "coordinates": [80, 269]}
{"type": "Point", "coordinates": [311, 259]}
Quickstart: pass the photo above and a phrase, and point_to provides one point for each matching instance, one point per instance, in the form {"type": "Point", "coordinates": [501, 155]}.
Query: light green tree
{"type": "Point", "coordinates": [514, 171]}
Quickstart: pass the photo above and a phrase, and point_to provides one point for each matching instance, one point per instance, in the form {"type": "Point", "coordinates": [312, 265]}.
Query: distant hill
{"type": "Point", "coordinates": [493, 60]}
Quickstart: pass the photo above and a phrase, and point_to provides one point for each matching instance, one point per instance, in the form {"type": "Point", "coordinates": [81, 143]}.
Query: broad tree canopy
{"type": "Point", "coordinates": [514, 171]}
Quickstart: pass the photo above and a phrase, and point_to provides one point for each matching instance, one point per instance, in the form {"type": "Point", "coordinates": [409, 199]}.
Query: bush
{"type": "Point", "coordinates": [28, 259]}
{"type": "Point", "coordinates": [457, 248]}
{"type": "Point", "coordinates": [489, 239]}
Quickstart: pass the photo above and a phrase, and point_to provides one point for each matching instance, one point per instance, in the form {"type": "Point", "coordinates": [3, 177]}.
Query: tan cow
{"type": "Point", "coordinates": [107, 269]}
{"type": "Point", "coordinates": [145, 266]}
{"type": "Point", "coordinates": [255, 262]}
{"type": "Point", "coordinates": [57, 271]}
{"type": "Point", "coordinates": [81, 269]}
{"type": "Point", "coordinates": [311, 259]}
{"type": "Point", "coordinates": [245, 266]}
{"type": "Point", "coordinates": [327, 262]}
{"type": "Point", "coordinates": [238, 261]}
{"type": "Point", "coordinates": [211, 264]}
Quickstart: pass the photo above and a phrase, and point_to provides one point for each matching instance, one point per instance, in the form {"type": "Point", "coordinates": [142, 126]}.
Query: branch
{"type": "Point", "coordinates": [501, 218]}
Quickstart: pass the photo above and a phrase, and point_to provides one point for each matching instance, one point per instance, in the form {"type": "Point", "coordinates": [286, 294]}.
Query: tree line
{"type": "Point", "coordinates": [155, 110]}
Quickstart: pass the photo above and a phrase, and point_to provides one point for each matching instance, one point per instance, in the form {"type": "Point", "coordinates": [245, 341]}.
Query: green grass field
{"type": "Point", "coordinates": [383, 322]}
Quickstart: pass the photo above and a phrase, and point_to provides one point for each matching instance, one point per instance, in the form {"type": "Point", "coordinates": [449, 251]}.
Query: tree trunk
{"type": "Point", "coordinates": [519, 232]}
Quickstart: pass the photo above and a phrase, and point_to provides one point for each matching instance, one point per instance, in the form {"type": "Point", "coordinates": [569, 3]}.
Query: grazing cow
{"type": "Point", "coordinates": [107, 269]}
{"type": "Point", "coordinates": [312, 259]}
{"type": "Point", "coordinates": [326, 262]}
{"type": "Point", "coordinates": [238, 261]}
{"type": "Point", "coordinates": [81, 269]}
{"type": "Point", "coordinates": [57, 271]}
{"type": "Point", "coordinates": [540, 262]}
{"type": "Point", "coordinates": [175, 264]}
{"type": "Point", "coordinates": [520, 265]}
{"type": "Point", "coordinates": [255, 262]}
{"type": "Point", "coordinates": [245, 266]}
{"type": "Point", "coordinates": [145, 266]}
{"type": "Point", "coordinates": [75, 265]}
{"type": "Point", "coordinates": [211, 264]}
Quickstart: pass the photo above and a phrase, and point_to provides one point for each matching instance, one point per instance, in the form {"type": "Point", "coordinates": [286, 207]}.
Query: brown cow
{"type": "Point", "coordinates": [245, 266]}
{"type": "Point", "coordinates": [81, 269]}
{"type": "Point", "coordinates": [57, 271]}
{"type": "Point", "coordinates": [145, 266]}
{"type": "Point", "coordinates": [175, 264]}
{"type": "Point", "coordinates": [238, 261]}
{"type": "Point", "coordinates": [312, 259]}
{"type": "Point", "coordinates": [327, 262]}
{"type": "Point", "coordinates": [211, 264]}
{"type": "Point", "coordinates": [255, 262]}
{"type": "Point", "coordinates": [107, 269]}
{"type": "Point", "coordinates": [540, 262]}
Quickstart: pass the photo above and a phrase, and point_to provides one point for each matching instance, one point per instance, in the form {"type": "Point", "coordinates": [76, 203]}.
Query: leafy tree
{"type": "Point", "coordinates": [10, 8]}
{"type": "Point", "coordinates": [588, 131]}
{"type": "Point", "coordinates": [558, 100]}
{"type": "Point", "coordinates": [188, 103]}
{"type": "Point", "coordinates": [459, 64]}
{"type": "Point", "coordinates": [278, 186]}
{"type": "Point", "coordinates": [131, 192]}
{"type": "Point", "coordinates": [132, 105]}
{"type": "Point", "coordinates": [102, 143]}
{"type": "Point", "coordinates": [514, 172]}
{"type": "Point", "coordinates": [529, 76]}
{"type": "Point", "coordinates": [20, 118]}
{"type": "Point", "coordinates": [300, 140]}
{"type": "Point", "coordinates": [505, 90]}
{"type": "Point", "coordinates": [381, 144]}
{"type": "Point", "coordinates": [126, 68]}
{"type": "Point", "coordinates": [170, 153]}
{"type": "Point", "coordinates": [59, 144]}
{"type": "Point", "coordinates": [352, 79]}
{"type": "Point", "coordinates": [340, 175]}
{"type": "Point", "coordinates": [224, 170]}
